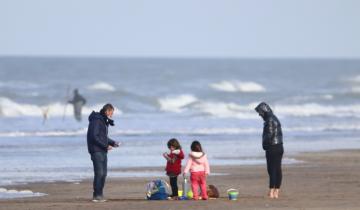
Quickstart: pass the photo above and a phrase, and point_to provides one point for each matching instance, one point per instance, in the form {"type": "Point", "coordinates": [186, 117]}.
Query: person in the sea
{"type": "Point", "coordinates": [198, 166]}
{"type": "Point", "coordinates": [173, 164]}
{"type": "Point", "coordinates": [78, 102]}
{"type": "Point", "coordinates": [99, 144]}
{"type": "Point", "coordinates": [272, 143]}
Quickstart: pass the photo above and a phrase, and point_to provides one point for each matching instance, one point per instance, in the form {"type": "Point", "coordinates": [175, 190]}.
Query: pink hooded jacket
{"type": "Point", "coordinates": [197, 162]}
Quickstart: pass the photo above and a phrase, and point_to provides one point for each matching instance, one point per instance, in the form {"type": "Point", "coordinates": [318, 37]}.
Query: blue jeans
{"type": "Point", "coordinates": [99, 160]}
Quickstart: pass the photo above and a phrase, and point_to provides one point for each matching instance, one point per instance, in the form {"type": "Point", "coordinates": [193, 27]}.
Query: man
{"type": "Point", "coordinates": [78, 102]}
{"type": "Point", "coordinates": [272, 142]}
{"type": "Point", "coordinates": [99, 144]}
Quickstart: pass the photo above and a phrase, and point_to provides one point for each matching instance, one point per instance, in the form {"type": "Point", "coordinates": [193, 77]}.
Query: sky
{"type": "Point", "coordinates": [183, 28]}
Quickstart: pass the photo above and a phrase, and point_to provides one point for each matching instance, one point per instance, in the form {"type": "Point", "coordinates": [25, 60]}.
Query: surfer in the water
{"type": "Point", "coordinates": [78, 102]}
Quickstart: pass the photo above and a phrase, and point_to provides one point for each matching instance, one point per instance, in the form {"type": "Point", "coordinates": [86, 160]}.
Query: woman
{"type": "Point", "coordinates": [272, 142]}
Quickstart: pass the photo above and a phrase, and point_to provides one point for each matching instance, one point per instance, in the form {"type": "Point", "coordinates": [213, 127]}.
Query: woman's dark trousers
{"type": "Point", "coordinates": [273, 159]}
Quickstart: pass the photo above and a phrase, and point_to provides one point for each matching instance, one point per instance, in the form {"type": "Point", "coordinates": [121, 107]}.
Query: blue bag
{"type": "Point", "coordinates": [157, 190]}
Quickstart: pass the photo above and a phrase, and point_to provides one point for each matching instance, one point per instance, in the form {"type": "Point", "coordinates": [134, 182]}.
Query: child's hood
{"type": "Point", "coordinates": [198, 157]}
{"type": "Point", "coordinates": [176, 152]}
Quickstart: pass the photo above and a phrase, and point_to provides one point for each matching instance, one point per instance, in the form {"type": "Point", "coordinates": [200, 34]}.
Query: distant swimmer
{"type": "Point", "coordinates": [78, 102]}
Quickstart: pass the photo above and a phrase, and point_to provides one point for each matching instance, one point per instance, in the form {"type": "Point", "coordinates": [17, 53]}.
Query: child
{"type": "Point", "coordinates": [173, 165]}
{"type": "Point", "coordinates": [198, 166]}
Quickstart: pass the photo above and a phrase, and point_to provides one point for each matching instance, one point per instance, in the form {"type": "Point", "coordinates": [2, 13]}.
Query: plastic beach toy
{"type": "Point", "coordinates": [233, 194]}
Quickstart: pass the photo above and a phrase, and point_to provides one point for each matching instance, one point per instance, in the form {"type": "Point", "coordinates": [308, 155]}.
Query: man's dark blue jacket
{"type": "Point", "coordinates": [97, 135]}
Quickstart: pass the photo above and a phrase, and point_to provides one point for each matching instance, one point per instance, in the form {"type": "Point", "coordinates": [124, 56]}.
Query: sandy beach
{"type": "Point", "coordinates": [326, 180]}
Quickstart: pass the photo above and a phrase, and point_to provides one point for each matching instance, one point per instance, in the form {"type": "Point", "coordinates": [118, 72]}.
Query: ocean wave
{"type": "Point", "coordinates": [9, 194]}
{"type": "Point", "coordinates": [304, 99]}
{"type": "Point", "coordinates": [227, 110]}
{"type": "Point", "coordinates": [321, 128]}
{"type": "Point", "coordinates": [238, 86]}
{"type": "Point", "coordinates": [103, 86]}
{"type": "Point", "coordinates": [327, 97]}
{"type": "Point", "coordinates": [314, 109]}
{"type": "Point", "coordinates": [355, 79]}
{"type": "Point", "coordinates": [22, 85]}
{"type": "Point", "coordinates": [79, 132]}
{"type": "Point", "coordinates": [176, 103]}
{"type": "Point", "coordinates": [187, 131]}
{"type": "Point", "coordinates": [218, 131]}
{"type": "Point", "coordinates": [50, 133]}
{"type": "Point", "coordinates": [9, 108]}
{"type": "Point", "coordinates": [234, 110]}
{"type": "Point", "coordinates": [355, 89]}
{"type": "Point", "coordinates": [187, 102]}
{"type": "Point", "coordinates": [254, 130]}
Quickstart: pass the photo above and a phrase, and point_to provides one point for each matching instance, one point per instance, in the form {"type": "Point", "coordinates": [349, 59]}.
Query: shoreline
{"type": "Point", "coordinates": [325, 180]}
{"type": "Point", "coordinates": [299, 159]}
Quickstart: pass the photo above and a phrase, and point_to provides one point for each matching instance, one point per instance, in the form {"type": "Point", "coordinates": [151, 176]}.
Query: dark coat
{"type": "Point", "coordinates": [78, 98]}
{"type": "Point", "coordinates": [97, 134]}
{"type": "Point", "coordinates": [272, 133]}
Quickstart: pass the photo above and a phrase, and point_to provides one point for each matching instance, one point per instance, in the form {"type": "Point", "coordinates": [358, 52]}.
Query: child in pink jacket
{"type": "Point", "coordinates": [198, 166]}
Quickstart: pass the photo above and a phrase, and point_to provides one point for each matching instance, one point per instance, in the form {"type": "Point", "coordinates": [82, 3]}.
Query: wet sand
{"type": "Point", "coordinates": [326, 180]}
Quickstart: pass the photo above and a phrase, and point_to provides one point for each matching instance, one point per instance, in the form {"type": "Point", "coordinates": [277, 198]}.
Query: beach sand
{"type": "Point", "coordinates": [326, 180]}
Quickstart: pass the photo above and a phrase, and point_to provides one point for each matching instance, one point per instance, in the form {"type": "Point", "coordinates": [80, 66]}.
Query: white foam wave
{"type": "Point", "coordinates": [313, 109]}
{"type": "Point", "coordinates": [188, 131]}
{"type": "Point", "coordinates": [44, 133]}
{"type": "Point", "coordinates": [320, 128]}
{"type": "Point", "coordinates": [252, 130]}
{"type": "Point", "coordinates": [327, 97]}
{"type": "Point", "coordinates": [355, 79]}
{"type": "Point", "coordinates": [355, 89]}
{"type": "Point", "coordinates": [305, 99]}
{"type": "Point", "coordinates": [238, 86]}
{"type": "Point", "coordinates": [176, 103]}
{"type": "Point", "coordinates": [233, 110]}
{"type": "Point", "coordinates": [103, 86]}
{"type": "Point", "coordinates": [198, 131]}
{"type": "Point", "coordinates": [226, 110]}
{"type": "Point", "coordinates": [9, 108]}
{"type": "Point", "coordinates": [80, 132]}
{"type": "Point", "coordinates": [18, 85]}
{"type": "Point", "coordinates": [9, 194]}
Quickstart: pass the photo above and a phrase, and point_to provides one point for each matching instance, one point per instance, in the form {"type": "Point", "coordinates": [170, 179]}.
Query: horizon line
{"type": "Point", "coordinates": [180, 57]}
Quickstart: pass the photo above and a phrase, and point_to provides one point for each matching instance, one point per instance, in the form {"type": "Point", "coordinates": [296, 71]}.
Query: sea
{"type": "Point", "coordinates": [155, 99]}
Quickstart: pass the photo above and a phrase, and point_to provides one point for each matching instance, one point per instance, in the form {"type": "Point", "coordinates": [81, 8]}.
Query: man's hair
{"type": "Point", "coordinates": [106, 107]}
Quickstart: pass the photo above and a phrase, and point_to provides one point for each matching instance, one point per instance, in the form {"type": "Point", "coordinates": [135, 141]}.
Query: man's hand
{"type": "Point", "coordinates": [117, 144]}
{"type": "Point", "coordinates": [109, 148]}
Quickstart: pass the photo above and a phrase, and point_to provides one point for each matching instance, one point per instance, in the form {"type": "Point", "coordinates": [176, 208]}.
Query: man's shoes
{"type": "Point", "coordinates": [98, 199]}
